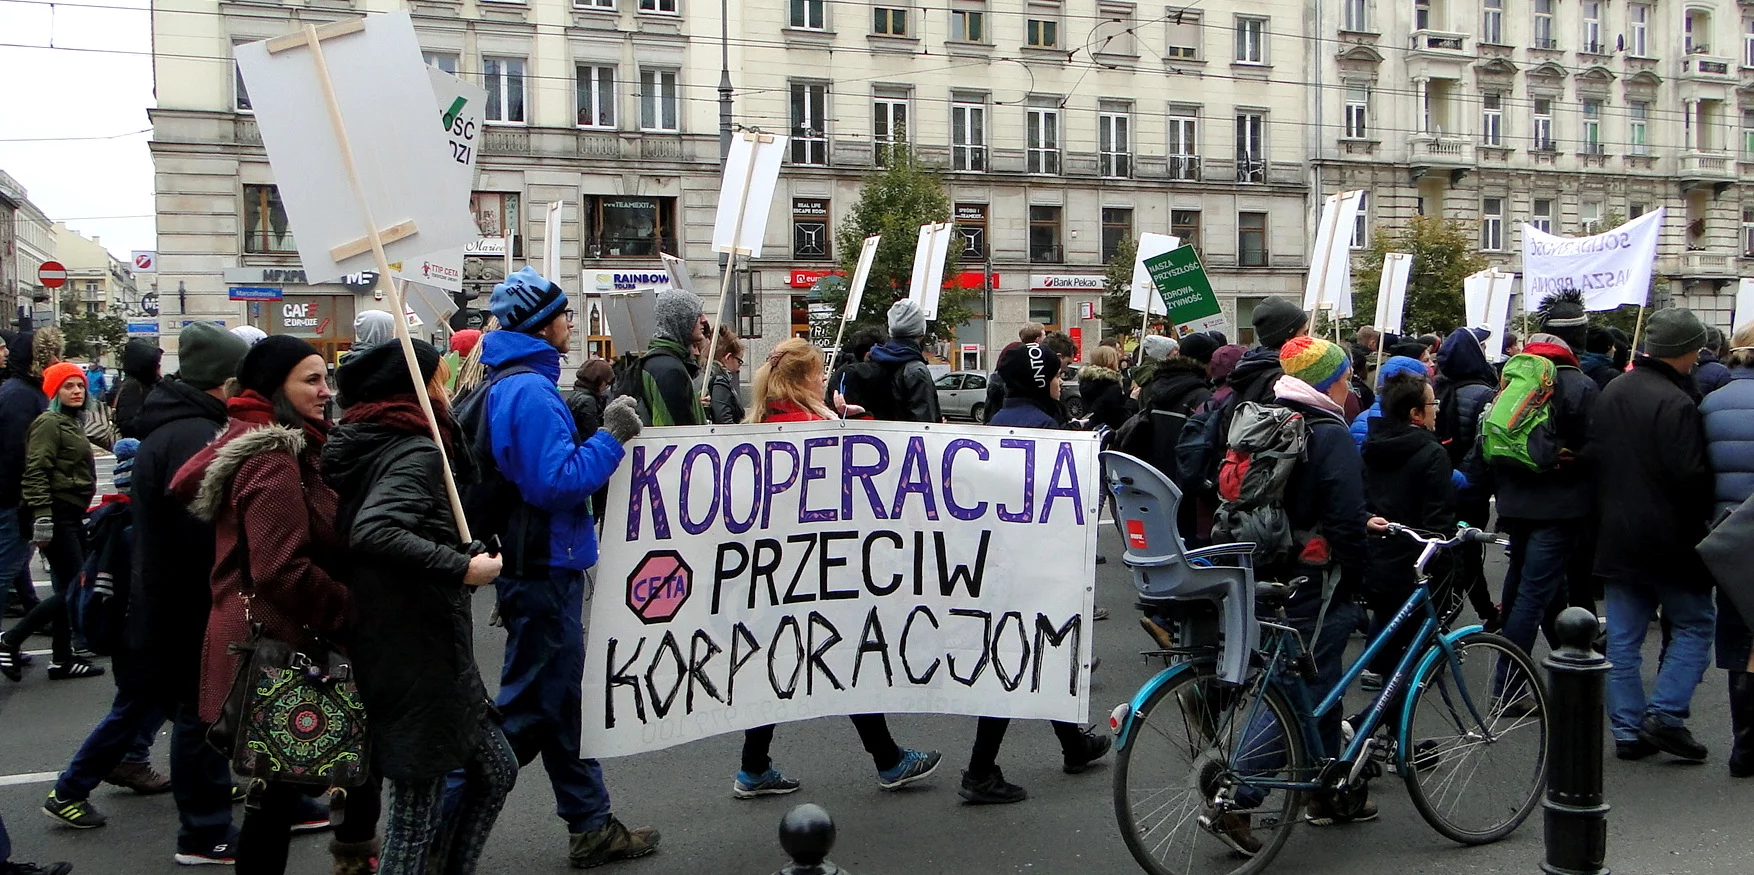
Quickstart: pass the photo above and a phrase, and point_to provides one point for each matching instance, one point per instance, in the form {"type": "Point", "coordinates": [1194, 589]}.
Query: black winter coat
{"type": "Point", "coordinates": [173, 553]}
{"type": "Point", "coordinates": [1178, 385]}
{"type": "Point", "coordinates": [1326, 494]}
{"type": "Point", "coordinates": [726, 407]}
{"type": "Point", "coordinates": [21, 402]}
{"type": "Point", "coordinates": [416, 667]}
{"type": "Point", "coordinates": [1406, 480]}
{"type": "Point", "coordinates": [1569, 491]}
{"type": "Point", "coordinates": [1105, 402]}
{"type": "Point", "coordinates": [1654, 483]}
{"type": "Point", "coordinates": [587, 411]}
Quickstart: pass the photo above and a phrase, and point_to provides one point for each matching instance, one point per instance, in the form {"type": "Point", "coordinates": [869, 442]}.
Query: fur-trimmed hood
{"type": "Point", "coordinates": [1092, 373]}
{"type": "Point", "coordinates": [205, 481]}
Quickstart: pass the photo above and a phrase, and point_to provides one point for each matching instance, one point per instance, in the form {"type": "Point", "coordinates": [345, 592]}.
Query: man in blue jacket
{"type": "Point", "coordinates": [541, 596]}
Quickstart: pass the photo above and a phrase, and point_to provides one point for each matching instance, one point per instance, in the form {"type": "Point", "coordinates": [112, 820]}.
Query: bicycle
{"type": "Point", "coordinates": [1216, 752]}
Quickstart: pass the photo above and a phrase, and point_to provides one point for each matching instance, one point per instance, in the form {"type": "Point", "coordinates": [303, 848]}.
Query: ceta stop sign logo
{"type": "Point", "coordinates": [659, 585]}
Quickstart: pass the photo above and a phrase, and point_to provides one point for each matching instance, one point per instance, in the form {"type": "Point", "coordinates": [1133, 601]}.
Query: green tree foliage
{"type": "Point", "coordinates": [1443, 255]}
{"type": "Point", "coordinates": [895, 203]}
{"type": "Point", "coordinates": [1119, 319]}
{"type": "Point", "coordinates": [91, 335]}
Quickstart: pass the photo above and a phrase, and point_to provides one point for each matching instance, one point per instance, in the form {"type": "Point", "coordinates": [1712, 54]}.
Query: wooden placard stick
{"type": "Point", "coordinates": [712, 327]}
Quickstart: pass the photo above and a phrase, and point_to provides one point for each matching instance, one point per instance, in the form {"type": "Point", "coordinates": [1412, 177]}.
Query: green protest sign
{"type": "Point", "coordinates": [1187, 293]}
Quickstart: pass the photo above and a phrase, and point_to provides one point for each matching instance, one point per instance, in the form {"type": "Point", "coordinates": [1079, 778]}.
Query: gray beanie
{"type": "Point", "coordinates": [678, 311]}
{"type": "Point", "coordinates": [373, 327]}
{"type": "Point", "coordinates": [1673, 332]}
{"type": "Point", "coordinates": [1276, 320]}
{"type": "Point", "coordinates": [906, 320]}
{"type": "Point", "coordinates": [1158, 347]}
{"type": "Point", "coordinates": [208, 355]}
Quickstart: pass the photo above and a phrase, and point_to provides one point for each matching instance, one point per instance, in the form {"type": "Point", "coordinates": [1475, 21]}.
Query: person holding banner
{"type": "Point", "coordinates": [553, 473]}
{"type": "Point", "coordinates": [665, 374]}
{"type": "Point", "coordinates": [789, 387]}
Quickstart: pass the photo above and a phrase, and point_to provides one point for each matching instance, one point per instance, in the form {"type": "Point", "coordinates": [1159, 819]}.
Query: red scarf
{"type": "Point", "coordinates": [403, 413]}
{"type": "Point", "coordinates": [252, 407]}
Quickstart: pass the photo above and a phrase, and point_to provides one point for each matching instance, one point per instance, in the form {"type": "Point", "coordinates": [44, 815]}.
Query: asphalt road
{"type": "Point", "coordinates": [1667, 819]}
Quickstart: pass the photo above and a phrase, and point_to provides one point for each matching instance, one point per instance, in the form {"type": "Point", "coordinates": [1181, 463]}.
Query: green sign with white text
{"type": "Point", "coordinates": [1187, 293]}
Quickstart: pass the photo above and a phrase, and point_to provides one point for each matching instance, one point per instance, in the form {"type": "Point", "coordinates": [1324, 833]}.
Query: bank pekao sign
{"type": "Point", "coordinates": [1059, 282]}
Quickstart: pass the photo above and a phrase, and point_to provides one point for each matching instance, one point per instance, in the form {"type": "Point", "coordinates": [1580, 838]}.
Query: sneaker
{"type": "Point", "coordinates": [992, 789]}
{"type": "Point", "coordinates": [76, 813]}
{"type": "Point", "coordinates": [1636, 749]}
{"type": "Point", "coordinates": [81, 654]}
{"type": "Point", "coordinates": [239, 794]}
{"type": "Point", "coordinates": [1324, 810]}
{"type": "Point", "coordinates": [915, 765]}
{"type": "Point", "coordinates": [768, 783]}
{"type": "Point", "coordinates": [11, 663]}
{"type": "Point", "coordinates": [312, 816]}
{"type": "Point", "coordinates": [1370, 682]}
{"type": "Point", "coordinates": [65, 671]}
{"type": "Point", "coordinates": [588, 850]}
{"type": "Point", "coordinates": [1086, 751]}
{"type": "Point", "coordinates": [1160, 634]}
{"type": "Point", "coordinates": [1099, 614]}
{"type": "Point", "coordinates": [1235, 829]}
{"type": "Point", "coordinates": [142, 778]}
{"type": "Point", "coordinates": [1675, 741]}
{"type": "Point", "coordinates": [22, 868]}
{"type": "Point", "coordinates": [223, 854]}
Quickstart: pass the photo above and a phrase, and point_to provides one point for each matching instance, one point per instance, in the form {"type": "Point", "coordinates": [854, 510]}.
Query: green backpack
{"type": "Point", "coordinates": [1518, 427]}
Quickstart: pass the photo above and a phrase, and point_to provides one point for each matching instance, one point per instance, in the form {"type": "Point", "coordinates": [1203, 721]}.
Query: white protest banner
{"type": "Point", "coordinates": [1610, 269]}
{"type": "Point", "coordinates": [1744, 303]}
{"type": "Point", "coordinates": [752, 169]}
{"type": "Point", "coordinates": [632, 317]}
{"type": "Point", "coordinates": [460, 106]}
{"type": "Point", "coordinates": [1144, 289]}
{"type": "Point", "coordinates": [1487, 298]}
{"type": "Point", "coordinates": [1329, 283]}
{"type": "Point", "coordinates": [761, 574]}
{"type": "Point", "coordinates": [428, 304]}
{"type": "Point", "coordinates": [678, 271]}
{"type": "Point", "coordinates": [1391, 291]}
{"type": "Point", "coordinates": [855, 294]}
{"type": "Point", "coordinates": [384, 98]}
{"type": "Point", "coordinates": [929, 257]}
{"type": "Point", "coordinates": [551, 242]}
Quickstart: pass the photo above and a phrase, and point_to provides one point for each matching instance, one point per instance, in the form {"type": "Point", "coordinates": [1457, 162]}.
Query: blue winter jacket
{"type": "Point", "coordinates": [1395, 365]}
{"type": "Point", "coordinates": [537, 449]}
{"type": "Point", "coordinates": [1711, 374]}
{"type": "Point", "coordinates": [1729, 440]}
{"type": "Point", "coordinates": [1023, 413]}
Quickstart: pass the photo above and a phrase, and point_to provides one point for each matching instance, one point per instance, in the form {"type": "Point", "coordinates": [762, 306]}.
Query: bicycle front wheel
{"type": "Point", "coordinates": [1179, 792]}
{"type": "Point", "coordinates": [1476, 761]}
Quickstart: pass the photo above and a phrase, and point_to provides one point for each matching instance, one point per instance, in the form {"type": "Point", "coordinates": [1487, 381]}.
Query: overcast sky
{"type": "Point", "coordinates": [100, 187]}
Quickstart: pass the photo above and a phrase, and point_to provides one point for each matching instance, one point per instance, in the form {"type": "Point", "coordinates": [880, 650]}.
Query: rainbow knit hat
{"type": "Point", "coordinates": [1316, 362]}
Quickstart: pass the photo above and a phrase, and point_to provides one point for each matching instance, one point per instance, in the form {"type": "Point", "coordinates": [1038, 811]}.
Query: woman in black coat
{"type": "Point", "coordinates": [1099, 385]}
{"type": "Point", "coordinates": [411, 579]}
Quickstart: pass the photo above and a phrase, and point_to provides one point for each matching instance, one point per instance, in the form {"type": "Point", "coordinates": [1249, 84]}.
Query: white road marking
{"type": "Point", "coordinates": [28, 778]}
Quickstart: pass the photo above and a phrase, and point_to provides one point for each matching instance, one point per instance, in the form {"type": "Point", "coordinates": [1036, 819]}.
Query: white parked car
{"type": "Point", "coordinates": [962, 396]}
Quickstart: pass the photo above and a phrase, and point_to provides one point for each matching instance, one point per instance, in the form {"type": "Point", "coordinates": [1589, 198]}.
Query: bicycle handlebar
{"type": "Point", "coordinates": [1464, 535]}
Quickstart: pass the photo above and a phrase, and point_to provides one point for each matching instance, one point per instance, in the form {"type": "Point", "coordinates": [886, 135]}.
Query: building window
{"type": "Point", "coordinates": [971, 223]}
{"type": "Point", "coordinates": [1592, 28]}
{"type": "Point", "coordinates": [1251, 147]}
{"type": "Point", "coordinates": [1544, 25]}
{"type": "Point", "coordinates": [1354, 15]}
{"type": "Point", "coordinates": [1117, 229]}
{"type": "Point", "coordinates": [1492, 224]}
{"type": "Point", "coordinates": [1044, 236]}
{"type": "Point", "coordinates": [497, 215]}
{"type": "Point", "coordinates": [1543, 216]}
{"type": "Point", "coordinates": [810, 228]}
{"type": "Point", "coordinates": [1638, 23]}
{"type": "Point", "coordinates": [1042, 128]}
{"type": "Point", "coordinates": [889, 22]}
{"type": "Point", "coordinates": [1115, 29]}
{"type": "Point", "coordinates": [968, 26]}
{"type": "Point", "coordinates": [505, 89]}
{"type": "Point", "coordinates": [1747, 232]}
{"type": "Point", "coordinates": [1748, 42]}
{"type": "Point", "coordinates": [1747, 134]}
{"type": "Point", "coordinates": [593, 4]}
{"type": "Point", "coordinates": [1696, 32]}
{"type": "Point", "coordinates": [968, 136]}
{"type": "Point", "coordinates": [1635, 209]}
{"type": "Point", "coordinates": [1184, 146]}
{"type": "Point", "coordinates": [1184, 37]}
{"type": "Point", "coordinates": [596, 88]}
{"type": "Point", "coordinates": [1421, 14]}
{"type": "Point", "coordinates": [1251, 239]}
{"type": "Point", "coordinates": [809, 14]}
{"type": "Point", "coordinates": [1357, 110]}
{"type": "Point", "coordinates": [1492, 23]}
{"type": "Point", "coordinates": [265, 228]}
{"type": "Point", "coordinates": [1543, 132]}
{"type": "Point", "coordinates": [1041, 33]}
{"type": "Point", "coordinates": [1251, 40]}
{"type": "Point", "coordinates": [809, 123]}
{"type": "Point", "coordinates": [442, 60]}
{"type": "Point", "coordinates": [628, 227]}
{"type": "Point", "coordinates": [889, 123]}
{"type": "Point", "coordinates": [240, 97]}
{"type": "Point", "coordinates": [657, 100]}
{"type": "Point", "coordinates": [1592, 127]}
{"type": "Point", "coordinates": [668, 6]}
{"type": "Point", "coordinates": [1114, 140]}
{"type": "Point", "coordinates": [1361, 223]}
{"type": "Point", "coordinates": [1184, 225]}
{"type": "Point", "coordinates": [1638, 127]}
{"type": "Point", "coordinates": [1492, 119]}
{"type": "Point", "coordinates": [1046, 311]}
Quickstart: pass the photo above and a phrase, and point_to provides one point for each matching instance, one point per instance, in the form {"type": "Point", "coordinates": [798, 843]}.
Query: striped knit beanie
{"type": "Point", "coordinates": [1316, 362]}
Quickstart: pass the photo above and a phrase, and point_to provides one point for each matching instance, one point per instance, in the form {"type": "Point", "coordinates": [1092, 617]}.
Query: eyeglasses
{"type": "Point", "coordinates": [571, 314]}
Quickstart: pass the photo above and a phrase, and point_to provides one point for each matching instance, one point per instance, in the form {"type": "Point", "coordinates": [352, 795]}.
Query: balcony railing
{"type": "Point", "coordinates": [1250, 170]}
{"type": "Point", "coordinates": [1046, 254]}
{"type": "Point", "coordinates": [1443, 41]}
{"type": "Point", "coordinates": [1707, 165]}
{"type": "Point", "coordinates": [1434, 149]}
{"type": "Point", "coordinates": [1184, 167]}
{"type": "Point", "coordinates": [1699, 66]}
{"type": "Point", "coordinates": [1707, 264]}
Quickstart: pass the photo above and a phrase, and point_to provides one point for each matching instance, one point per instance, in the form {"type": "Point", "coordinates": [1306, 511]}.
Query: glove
{"type": "Point", "coordinates": [44, 531]}
{"type": "Point", "coordinates": [621, 420]}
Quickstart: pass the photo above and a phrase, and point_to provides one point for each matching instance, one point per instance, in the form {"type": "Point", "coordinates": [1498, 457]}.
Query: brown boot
{"type": "Point", "coordinates": [354, 858]}
{"type": "Point", "coordinates": [611, 843]}
{"type": "Point", "coordinates": [142, 778]}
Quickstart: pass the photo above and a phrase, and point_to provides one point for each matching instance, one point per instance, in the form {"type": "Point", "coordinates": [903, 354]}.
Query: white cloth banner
{"type": "Point", "coordinates": [1329, 283]}
{"type": "Point", "coordinates": [1744, 303]}
{"type": "Point", "coordinates": [1487, 297]}
{"type": "Point", "coordinates": [759, 574]}
{"type": "Point", "coordinates": [1610, 269]}
{"type": "Point", "coordinates": [1144, 290]}
{"type": "Point", "coordinates": [1391, 291]}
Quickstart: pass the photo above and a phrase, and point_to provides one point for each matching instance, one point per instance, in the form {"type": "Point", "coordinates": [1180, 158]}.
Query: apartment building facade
{"type": "Point", "coordinates": [1558, 113]}
{"type": "Point", "coordinates": [1061, 127]}
{"type": "Point", "coordinates": [27, 239]}
{"type": "Point", "coordinates": [97, 281]}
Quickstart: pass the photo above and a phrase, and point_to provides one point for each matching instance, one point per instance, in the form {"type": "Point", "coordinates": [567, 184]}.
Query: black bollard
{"type": "Point", "coordinates": [1576, 814]}
{"type": "Point", "coordinates": [807, 835]}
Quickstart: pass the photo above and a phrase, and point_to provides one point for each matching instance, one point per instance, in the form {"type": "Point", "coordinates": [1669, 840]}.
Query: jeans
{"type": "Point", "coordinates": [873, 731]}
{"type": "Point", "coordinates": [417, 830]}
{"type": "Point", "coordinates": [1330, 661]}
{"type": "Point", "coordinates": [1535, 588]}
{"type": "Point", "coordinates": [989, 735]}
{"type": "Point", "coordinates": [200, 783]}
{"type": "Point", "coordinates": [141, 750]}
{"type": "Point", "coordinates": [267, 832]}
{"type": "Point", "coordinates": [1693, 617]}
{"type": "Point", "coordinates": [66, 554]}
{"type": "Point", "coordinates": [114, 737]}
{"type": "Point", "coordinates": [14, 563]}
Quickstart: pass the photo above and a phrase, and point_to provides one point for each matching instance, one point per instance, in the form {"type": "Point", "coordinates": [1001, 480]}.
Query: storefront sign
{"type": "Point", "coordinates": [625, 280]}
{"type": "Point", "coordinates": [254, 293]}
{"type": "Point", "coordinates": [265, 276]}
{"type": "Point", "coordinates": [146, 327]}
{"type": "Point", "coordinates": [803, 279]}
{"type": "Point", "coordinates": [1062, 282]}
{"type": "Point", "coordinates": [326, 317]}
{"type": "Point", "coordinates": [486, 246]}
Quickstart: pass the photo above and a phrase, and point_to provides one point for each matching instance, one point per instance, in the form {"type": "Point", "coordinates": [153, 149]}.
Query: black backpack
{"type": "Point", "coordinates": [100, 594]}
{"type": "Point", "coordinates": [489, 499]}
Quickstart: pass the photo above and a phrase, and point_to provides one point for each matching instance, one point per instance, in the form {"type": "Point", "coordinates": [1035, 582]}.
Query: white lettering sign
{"type": "Point", "coordinates": [1609, 269]}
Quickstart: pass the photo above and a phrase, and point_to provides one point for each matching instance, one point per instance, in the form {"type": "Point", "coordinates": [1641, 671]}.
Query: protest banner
{"type": "Point", "coordinates": [460, 106]}
{"type": "Point", "coordinates": [1185, 290]}
{"type": "Point", "coordinates": [1391, 291]}
{"type": "Point", "coordinates": [1143, 293]}
{"type": "Point", "coordinates": [1487, 299]}
{"type": "Point", "coordinates": [930, 254]}
{"type": "Point", "coordinates": [752, 170]}
{"type": "Point", "coordinates": [632, 317]}
{"type": "Point", "coordinates": [759, 574]}
{"type": "Point", "coordinates": [855, 294]}
{"type": "Point", "coordinates": [1328, 285]}
{"type": "Point", "coordinates": [1610, 269]}
{"type": "Point", "coordinates": [1744, 302]}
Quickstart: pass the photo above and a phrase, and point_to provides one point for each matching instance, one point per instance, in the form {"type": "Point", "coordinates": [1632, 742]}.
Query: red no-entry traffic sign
{"type": "Point", "coordinates": [53, 274]}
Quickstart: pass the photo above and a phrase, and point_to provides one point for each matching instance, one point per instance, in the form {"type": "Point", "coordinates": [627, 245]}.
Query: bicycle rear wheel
{"type": "Point", "coordinates": [1192, 742]}
{"type": "Point", "coordinates": [1475, 780]}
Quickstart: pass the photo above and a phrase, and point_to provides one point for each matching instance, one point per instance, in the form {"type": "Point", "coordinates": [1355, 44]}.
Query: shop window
{"type": "Point", "coordinates": [629, 227]}
{"type": "Point", "coordinates": [265, 228]}
{"type": "Point", "coordinates": [497, 214]}
{"type": "Point", "coordinates": [810, 229]}
{"type": "Point", "coordinates": [971, 223]}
